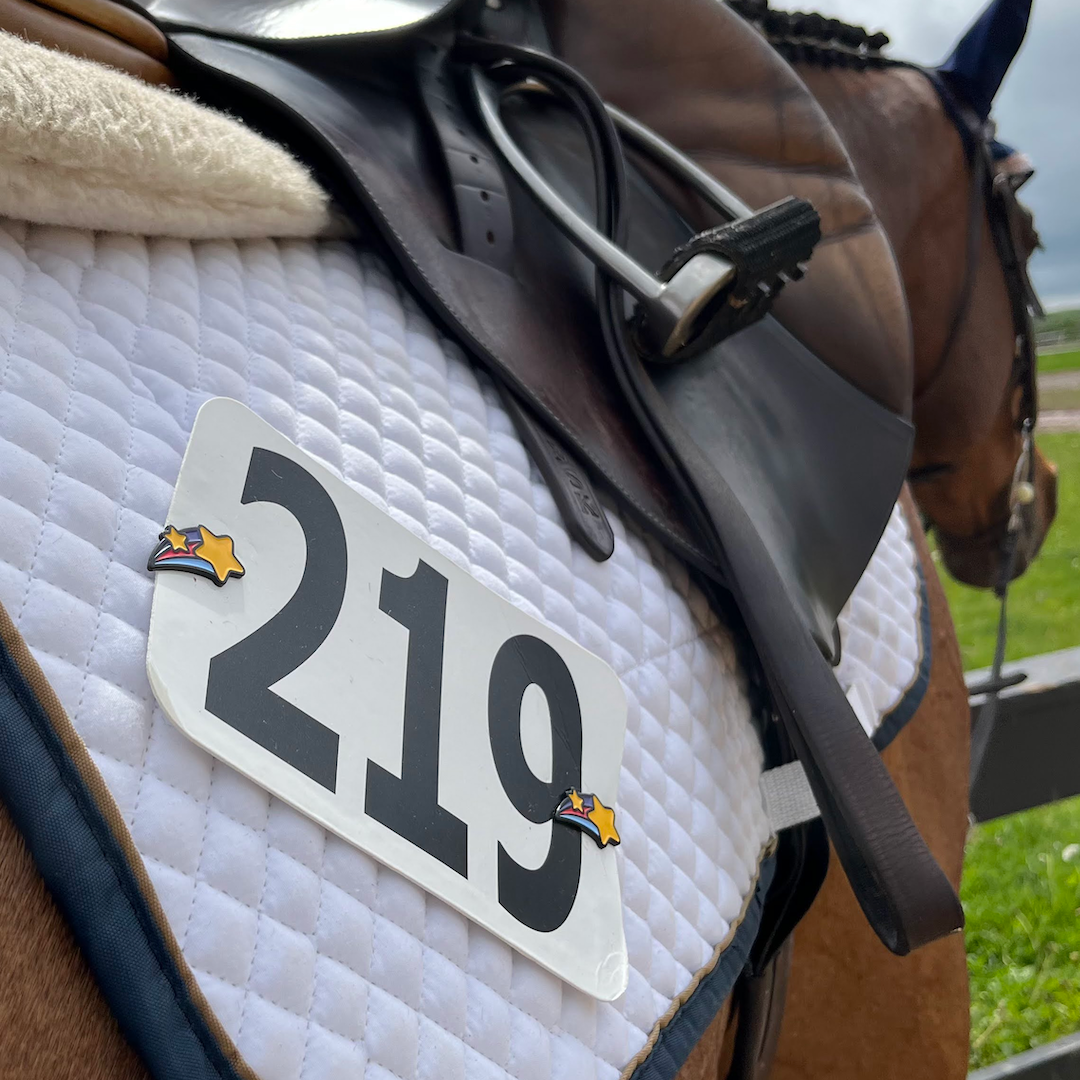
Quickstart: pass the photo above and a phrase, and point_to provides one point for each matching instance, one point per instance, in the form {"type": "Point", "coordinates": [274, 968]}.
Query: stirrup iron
{"type": "Point", "coordinates": [722, 280]}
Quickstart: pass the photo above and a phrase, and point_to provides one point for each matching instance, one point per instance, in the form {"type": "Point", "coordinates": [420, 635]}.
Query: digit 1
{"type": "Point", "coordinates": [540, 898]}
{"type": "Point", "coordinates": [409, 804]}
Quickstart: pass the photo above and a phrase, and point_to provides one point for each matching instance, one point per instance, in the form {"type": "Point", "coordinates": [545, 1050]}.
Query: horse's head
{"type": "Point", "coordinates": [976, 471]}
{"type": "Point", "coordinates": [975, 465]}
{"type": "Point", "coordinates": [946, 192]}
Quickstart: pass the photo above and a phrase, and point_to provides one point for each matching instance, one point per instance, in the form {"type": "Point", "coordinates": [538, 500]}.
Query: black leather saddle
{"type": "Point", "coordinates": [647, 362]}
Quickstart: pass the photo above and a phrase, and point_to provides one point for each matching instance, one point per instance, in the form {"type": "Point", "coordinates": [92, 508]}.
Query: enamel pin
{"type": "Point", "coordinates": [198, 551]}
{"type": "Point", "coordinates": [588, 813]}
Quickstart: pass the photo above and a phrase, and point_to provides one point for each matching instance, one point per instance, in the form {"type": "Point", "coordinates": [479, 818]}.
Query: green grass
{"type": "Point", "coordinates": [1021, 886]}
{"type": "Point", "coordinates": [1044, 605]}
{"type": "Point", "coordinates": [1069, 360]}
{"type": "Point", "coordinates": [1021, 894]}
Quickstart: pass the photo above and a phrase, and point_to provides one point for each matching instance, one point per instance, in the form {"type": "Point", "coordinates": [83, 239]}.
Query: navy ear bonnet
{"type": "Point", "coordinates": [974, 72]}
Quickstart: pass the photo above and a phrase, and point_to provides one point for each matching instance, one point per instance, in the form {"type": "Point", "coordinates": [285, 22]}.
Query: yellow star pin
{"type": "Point", "coordinates": [575, 800]}
{"type": "Point", "coordinates": [218, 552]}
{"type": "Point", "coordinates": [177, 540]}
{"type": "Point", "coordinates": [604, 819]}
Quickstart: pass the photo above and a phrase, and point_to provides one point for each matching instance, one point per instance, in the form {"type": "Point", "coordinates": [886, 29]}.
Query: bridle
{"type": "Point", "coordinates": [1021, 494]}
{"type": "Point", "coordinates": [997, 193]}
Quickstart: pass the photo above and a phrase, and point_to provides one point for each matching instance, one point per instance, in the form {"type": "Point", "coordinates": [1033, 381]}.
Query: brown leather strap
{"type": "Point", "coordinates": [760, 1001]}
{"type": "Point", "coordinates": [54, 30]}
{"type": "Point", "coordinates": [976, 203]}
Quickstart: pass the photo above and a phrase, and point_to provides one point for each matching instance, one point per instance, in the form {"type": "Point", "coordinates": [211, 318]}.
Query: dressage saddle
{"type": "Point", "coordinates": [738, 379]}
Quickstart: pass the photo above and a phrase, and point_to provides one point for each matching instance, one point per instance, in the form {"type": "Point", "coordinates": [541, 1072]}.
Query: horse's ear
{"type": "Point", "coordinates": [978, 64]}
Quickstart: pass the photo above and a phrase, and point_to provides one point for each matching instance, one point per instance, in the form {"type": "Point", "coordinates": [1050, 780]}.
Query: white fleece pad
{"type": "Point", "coordinates": [84, 145]}
{"type": "Point", "coordinates": [319, 962]}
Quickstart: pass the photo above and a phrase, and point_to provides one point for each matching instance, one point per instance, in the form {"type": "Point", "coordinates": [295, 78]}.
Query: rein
{"type": "Point", "coordinates": [996, 193]}
{"type": "Point", "coordinates": [1021, 494]}
{"type": "Point", "coordinates": [987, 191]}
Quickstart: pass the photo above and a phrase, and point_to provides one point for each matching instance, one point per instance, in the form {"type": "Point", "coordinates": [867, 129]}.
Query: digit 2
{"type": "Point", "coordinates": [540, 898]}
{"type": "Point", "coordinates": [410, 804]}
{"type": "Point", "coordinates": [237, 690]}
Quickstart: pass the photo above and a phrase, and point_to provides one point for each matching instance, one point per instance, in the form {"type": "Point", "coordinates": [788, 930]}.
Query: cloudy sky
{"type": "Point", "coordinates": [1037, 109]}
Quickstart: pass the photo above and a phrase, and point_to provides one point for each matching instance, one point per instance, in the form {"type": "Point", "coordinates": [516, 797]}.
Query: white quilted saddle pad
{"type": "Point", "coordinates": [319, 962]}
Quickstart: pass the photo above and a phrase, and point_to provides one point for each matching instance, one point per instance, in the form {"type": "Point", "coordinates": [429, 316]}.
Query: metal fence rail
{"type": "Point", "coordinates": [1034, 753]}
{"type": "Point", "coordinates": [1058, 1060]}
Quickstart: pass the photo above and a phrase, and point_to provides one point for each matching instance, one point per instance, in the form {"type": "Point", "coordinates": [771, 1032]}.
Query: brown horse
{"type": "Point", "coordinates": [967, 395]}
{"type": "Point", "coordinates": [937, 800]}
{"type": "Point", "coordinates": [852, 1009]}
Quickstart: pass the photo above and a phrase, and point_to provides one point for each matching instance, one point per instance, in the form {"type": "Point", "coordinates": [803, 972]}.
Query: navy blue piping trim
{"type": "Point", "coordinates": [893, 721]}
{"type": "Point", "coordinates": [686, 1027]}
{"type": "Point", "coordinates": [90, 878]}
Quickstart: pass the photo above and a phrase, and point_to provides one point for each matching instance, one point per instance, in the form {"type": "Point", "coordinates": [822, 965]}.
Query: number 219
{"type": "Point", "coordinates": [238, 692]}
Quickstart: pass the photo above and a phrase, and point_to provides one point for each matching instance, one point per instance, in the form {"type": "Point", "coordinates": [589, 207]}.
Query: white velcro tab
{"type": "Point", "coordinates": [786, 793]}
{"type": "Point", "coordinates": [861, 701]}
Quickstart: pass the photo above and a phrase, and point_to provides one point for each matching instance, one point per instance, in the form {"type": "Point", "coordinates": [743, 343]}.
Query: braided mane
{"type": "Point", "coordinates": [815, 39]}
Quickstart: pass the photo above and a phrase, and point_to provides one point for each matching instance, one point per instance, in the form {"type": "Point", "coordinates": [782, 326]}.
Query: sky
{"type": "Point", "coordinates": [1037, 109]}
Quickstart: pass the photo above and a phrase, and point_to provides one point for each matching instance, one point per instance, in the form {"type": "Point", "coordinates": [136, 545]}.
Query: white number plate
{"type": "Point", "coordinates": [353, 671]}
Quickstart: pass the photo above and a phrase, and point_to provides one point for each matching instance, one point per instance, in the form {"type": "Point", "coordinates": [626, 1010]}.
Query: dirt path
{"type": "Point", "coordinates": [1059, 401]}
{"type": "Point", "coordinates": [1054, 420]}
{"type": "Point", "coordinates": [1054, 381]}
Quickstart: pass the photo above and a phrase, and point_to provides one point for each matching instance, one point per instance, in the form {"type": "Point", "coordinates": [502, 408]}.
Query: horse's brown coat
{"type": "Point", "coordinates": [54, 1022]}
{"type": "Point", "coordinates": [711, 1058]}
{"type": "Point", "coordinates": [704, 80]}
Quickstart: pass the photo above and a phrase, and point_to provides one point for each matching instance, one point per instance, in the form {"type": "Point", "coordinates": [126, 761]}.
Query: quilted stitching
{"type": "Point", "coordinates": [320, 962]}
{"type": "Point", "coordinates": [880, 627]}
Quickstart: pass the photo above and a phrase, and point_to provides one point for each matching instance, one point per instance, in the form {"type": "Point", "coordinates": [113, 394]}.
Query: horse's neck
{"type": "Point", "coordinates": [905, 150]}
{"type": "Point", "coordinates": [909, 159]}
